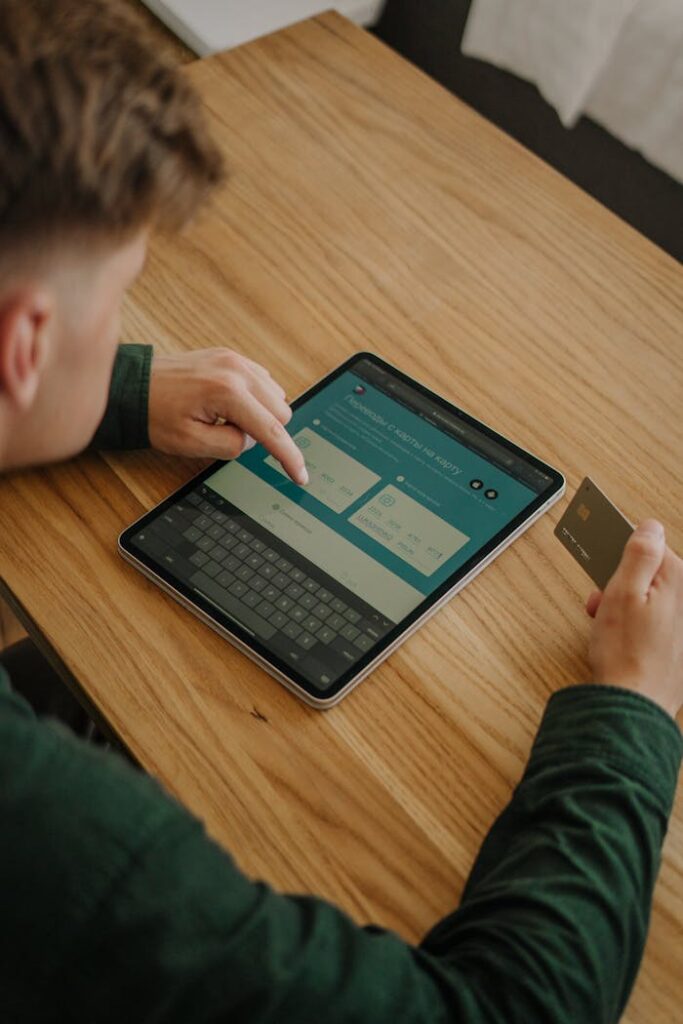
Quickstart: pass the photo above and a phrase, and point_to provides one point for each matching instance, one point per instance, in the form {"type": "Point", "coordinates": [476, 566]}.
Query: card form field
{"type": "Point", "coordinates": [335, 478]}
{"type": "Point", "coordinates": [409, 530]}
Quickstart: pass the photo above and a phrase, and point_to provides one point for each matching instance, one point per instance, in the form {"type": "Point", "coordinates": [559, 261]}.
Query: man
{"type": "Point", "coordinates": [114, 904]}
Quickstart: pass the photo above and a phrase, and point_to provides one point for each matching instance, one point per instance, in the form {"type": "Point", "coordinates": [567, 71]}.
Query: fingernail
{"type": "Point", "coordinates": [652, 528]}
{"type": "Point", "coordinates": [302, 477]}
{"type": "Point", "coordinates": [249, 442]}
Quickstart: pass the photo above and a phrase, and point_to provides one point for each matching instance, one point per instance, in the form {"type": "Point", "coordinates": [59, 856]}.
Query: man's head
{"type": "Point", "coordinates": [100, 142]}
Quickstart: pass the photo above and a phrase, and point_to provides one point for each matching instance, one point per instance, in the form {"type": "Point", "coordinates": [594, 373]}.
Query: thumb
{"type": "Point", "coordinates": [641, 560]}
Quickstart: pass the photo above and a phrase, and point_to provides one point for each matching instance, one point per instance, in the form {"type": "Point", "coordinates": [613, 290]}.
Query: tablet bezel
{"type": "Point", "coordinates": [258, 651]}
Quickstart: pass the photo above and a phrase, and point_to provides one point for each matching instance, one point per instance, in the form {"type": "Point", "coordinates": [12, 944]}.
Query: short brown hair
{"type": "Point", "coordinates": [96, 132]}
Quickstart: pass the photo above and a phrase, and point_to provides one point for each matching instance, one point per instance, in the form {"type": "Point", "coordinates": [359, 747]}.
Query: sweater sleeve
{"type": "Point", "coordinates": [551, 926]}
{"type": "Point", "coordinates": [554, 917]}
{"type": "Point", "coordinates": [126, 417]}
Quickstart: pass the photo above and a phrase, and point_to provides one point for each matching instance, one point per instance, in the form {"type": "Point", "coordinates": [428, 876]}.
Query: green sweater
{"type": "Point", "coordinates": [116, 907]}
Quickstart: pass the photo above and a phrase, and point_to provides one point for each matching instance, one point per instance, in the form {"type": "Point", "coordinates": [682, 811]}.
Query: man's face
{"type": "Point", "coordinates": [75, 342]}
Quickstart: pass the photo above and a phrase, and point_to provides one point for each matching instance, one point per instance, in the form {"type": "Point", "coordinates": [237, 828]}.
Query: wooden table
{"type": "Point", "coordinates": [367, 207]}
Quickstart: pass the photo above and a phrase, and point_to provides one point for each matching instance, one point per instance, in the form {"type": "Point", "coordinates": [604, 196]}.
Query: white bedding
{"type": "Point", "coordinates": [617, 61]}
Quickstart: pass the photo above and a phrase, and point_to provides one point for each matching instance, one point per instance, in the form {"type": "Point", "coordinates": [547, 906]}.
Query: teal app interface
{"type": "Point", "coordinates": [394, 504]}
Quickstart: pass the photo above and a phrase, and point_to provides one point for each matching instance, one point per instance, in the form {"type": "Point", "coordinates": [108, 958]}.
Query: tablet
{"type": "Point", "coordinates": [409, 497]}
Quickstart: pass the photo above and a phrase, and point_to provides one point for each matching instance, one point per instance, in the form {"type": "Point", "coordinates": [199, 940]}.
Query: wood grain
{"type": "Point", "coordinates": [366, 207]}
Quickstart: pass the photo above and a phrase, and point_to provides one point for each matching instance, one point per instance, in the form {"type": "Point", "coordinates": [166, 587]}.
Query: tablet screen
{"type": "Point", "coordinates": [406, 493]}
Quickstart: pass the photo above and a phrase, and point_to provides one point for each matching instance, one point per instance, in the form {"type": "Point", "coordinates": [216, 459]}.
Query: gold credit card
{"type": "Point", "coordinates": [594, 531]}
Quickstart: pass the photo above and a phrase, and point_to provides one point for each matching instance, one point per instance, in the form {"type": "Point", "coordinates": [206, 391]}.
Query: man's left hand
{"type": "Point", "coordinates": [208, 404]}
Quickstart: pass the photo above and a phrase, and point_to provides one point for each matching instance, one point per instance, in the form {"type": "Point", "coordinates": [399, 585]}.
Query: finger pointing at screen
{"type": "Point", "coordinates": [207, 404]}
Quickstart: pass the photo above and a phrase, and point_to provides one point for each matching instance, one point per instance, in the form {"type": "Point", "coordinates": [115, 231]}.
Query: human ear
{"type": "Point", "coordinates": [23, 344]}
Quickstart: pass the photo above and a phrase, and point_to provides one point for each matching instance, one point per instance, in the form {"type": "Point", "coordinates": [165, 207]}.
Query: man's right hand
{"type": "Point", "coordinates": [637, 639]}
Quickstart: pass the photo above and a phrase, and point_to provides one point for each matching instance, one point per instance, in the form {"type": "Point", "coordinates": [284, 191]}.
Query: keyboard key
{"type": "Point", "coordinates": [298, 613]}
{"type": "Point", "coordinates": [284, 603]}
{"type": "Point", "coordinates": [232, 563]}
{"type": "Point", "coordinates": [220, 517]}
{"type": "Point", "coordinates": [184, 548]}
{"type": "Point", "coordinates": [283, 565]}
{"type": "Point", "coordinates": [350, 631]}
{"type": "Point", "coordinates": [203, 523]}
{"type": "Point", "coordinates": [267, 570]}
{"type": "Point", "coordinates": [193, 499]}
{"type": "Point", "coordinates": [258, 545]}
{"type": "Point", "coordinates": [297, 575]}
{"type": "Point", "coordinates": [225, 578]}
{"type": "Point", "coordinates": [321, 675]}
{"type": "Point", "coordinates": [324, 595]}
{"type": "Point", "coordinates": [281, 581]}
{"type": "Point", "coordinates": [245, 572]}
{"type": "Point", "coordinates": [216, 532]}
{"type": "Point", "coordinates": [308, 601]}
{"type": "Point", "coordinates": [344, 649]}
{"type": "Point", "coordinates": [242, 551]}
{"type": "Point", "coordinates": [258, 584]}
{"type": "Point", "coordinates": [321, 610]}
{"type": "Point", "coordinates": [212, 569]}
{"type": "Point", "coordinates": [352, 615]}
{"type": "Point", "coordinates": [150, 544]}
{"type": "Point", "coordinates": [326, 635]}
{"type": "Point", "coordinates": [292, 630]}
{"type": "Point", "coordinates": [254, 561]}
{"type": "Point", "coordinates": [338, 606]}
{"type": "Point", "coordinates": [251, 599]}
{"type": "Point", "coordinates": [228, 542]}
{"type": "Point", "coordinates": [266, 609]}
{"type": "Point", "coordinates": [207, 507]}
{"type": "Point", "coordinates": [205, 544]}
{"type": "Point", "coordinates": [294, 591]}
{"type": "Point", "coordinates": [271, 556]}
{"type": "Point", "coordinates": [188, 512]}
{"type": "Point", "coordinates": [311, 624]}
{"type": "Point", "coordinates": [310, 585]}
{"type": "Point", "coordinates": [180, 566]}
{"type": "Point", "coordinates": [168, 535]}
{"type": "Point", "coordinates": [372, 629]}
{"type": "Point", "coordinates": [238, 588]}
{"type": "Point", "coordinates": [278, 619]}
{"type": "Point", "coordinates": [364, 642]}
{"type": "Point", "coordinates": [336, 622]}
{"type": "Point", "coordinates": [192, 534]}
{"type": "Point", "coordinates": [245, 536]}
{"type": "Point", "coordinates": [270, 592]}
{"type": "Point", "coordinates": [306, 641]}
{"type": "Point", "coordinates": [227, 600]}
{"type": "Point", "coordinates": [231, 526]}
{"type": "Point", "coordinates": [199, 559]}
{"type": "Point", "coordinates": [217, 553]}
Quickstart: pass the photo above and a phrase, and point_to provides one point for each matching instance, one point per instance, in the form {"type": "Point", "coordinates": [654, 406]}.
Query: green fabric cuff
{"type": "Point", "coordinates": [125, 423]}
{"type": "Point", "coordinates": [616, 726]}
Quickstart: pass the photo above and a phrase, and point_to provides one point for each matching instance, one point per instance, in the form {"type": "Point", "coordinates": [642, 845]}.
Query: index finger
{"type": "Point", "coordinates": [641, 560]}
{"type": "Point", "coordinates": [261, 424]}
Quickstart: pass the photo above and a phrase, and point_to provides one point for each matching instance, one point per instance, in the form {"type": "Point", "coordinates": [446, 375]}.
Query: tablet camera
{"type": "Point", "coordinates": [491, 494]}
{"type": "Point", "coordinates": [476, 485]}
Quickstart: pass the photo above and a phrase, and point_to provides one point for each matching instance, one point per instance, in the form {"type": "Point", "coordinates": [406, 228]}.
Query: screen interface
{"type": "Point", "coordinates": [402, 493]}
{"type": "Point", "coordinates": [396, 502]}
